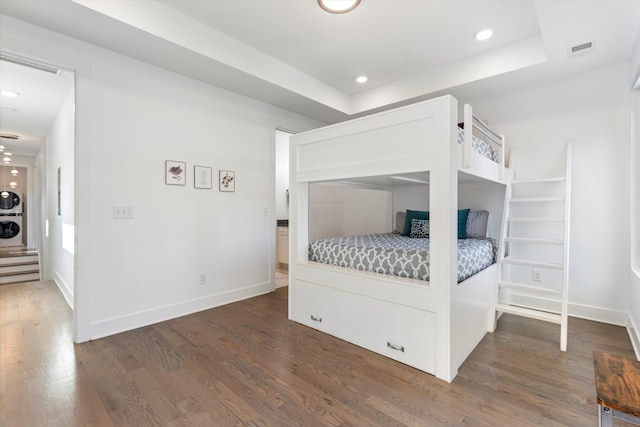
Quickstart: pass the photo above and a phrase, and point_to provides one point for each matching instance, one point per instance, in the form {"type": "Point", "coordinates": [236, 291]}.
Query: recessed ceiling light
{"type": "Point", "coordinates": [6, 153]}
{"type": "Point", "coordinates": [12, 93]}
{"type": "Point", "coordinates": [483, 34]}
{"type": "Point", "coordinates": [338, 6]}
{"type": "Point", "coordinates": [362, 79]}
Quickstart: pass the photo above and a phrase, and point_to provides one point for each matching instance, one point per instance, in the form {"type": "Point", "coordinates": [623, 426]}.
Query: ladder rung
{"type": "Point", "coordinates": [529, 312]}
{"type": "Point", "coordinates": [532, 263]}
{"type": "Point", "coordinates": [536, 199]}
{"type": "Point", "coordinates": [534, 219]}
{"type": "Point", "coordinates": [530, 288]}
{"type": "Point", "coordinates": [535, 241]}
{"type": "Point", "coordinates": [538, 180]}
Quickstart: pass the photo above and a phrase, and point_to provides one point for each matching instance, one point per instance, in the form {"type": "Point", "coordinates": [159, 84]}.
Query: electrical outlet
{"type": "Point", "coordinates": [536, 275]}
{"type": "Point", "coordinates": [203, 278]}
{"type": "Point", "coordinates": [123, 212]}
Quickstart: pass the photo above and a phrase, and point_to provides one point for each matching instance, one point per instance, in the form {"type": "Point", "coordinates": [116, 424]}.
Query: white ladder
{"type": "Point", "coordinates": [533, 255]}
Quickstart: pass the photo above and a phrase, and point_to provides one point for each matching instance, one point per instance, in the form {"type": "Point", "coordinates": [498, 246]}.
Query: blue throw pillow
{"type": "Point", "coordinates": [423, 215]}
{"type": "Point", "coordinates": [462, 223]}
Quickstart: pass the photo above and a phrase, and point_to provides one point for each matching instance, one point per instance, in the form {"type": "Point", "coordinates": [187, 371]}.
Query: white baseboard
{"type": "Point", "coordinates": [116, 325]}
{"type": "Point", "coordinates": [597, 314]}
{"type": "Point", "coordinates": [634, 336]}
{"type": "Point", "coordinates": [65, 290]}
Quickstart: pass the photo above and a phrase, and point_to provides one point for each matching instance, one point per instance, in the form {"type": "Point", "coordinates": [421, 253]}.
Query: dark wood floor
{"type": "Point", "coordinates": [245, 364]}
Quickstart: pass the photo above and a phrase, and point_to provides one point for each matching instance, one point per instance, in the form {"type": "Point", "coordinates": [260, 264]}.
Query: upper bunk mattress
{"type": "Point", "coordinates": [480, 146]}
{"type": "Point", "coordinates": [399, 255]}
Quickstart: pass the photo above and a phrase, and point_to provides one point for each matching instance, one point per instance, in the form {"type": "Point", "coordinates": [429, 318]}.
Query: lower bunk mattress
{"type": "Point", "coordinates": [399, 255]}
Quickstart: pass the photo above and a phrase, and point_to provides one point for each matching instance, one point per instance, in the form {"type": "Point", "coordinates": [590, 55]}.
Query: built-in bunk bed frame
{"type": "Point", "coordinates": [432, 326]}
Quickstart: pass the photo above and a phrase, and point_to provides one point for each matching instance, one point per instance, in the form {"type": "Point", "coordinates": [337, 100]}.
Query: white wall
{"type": "Point", "coordinates": [336, 210]}
{"type": "Point", "coordinates": [634, 291]}
{"type": "Point", "coordinates": [131, 117]}
{"type": "Point", "coordinates": [591, 110]}
{"type": "Point", "coordinates": [60, 149]}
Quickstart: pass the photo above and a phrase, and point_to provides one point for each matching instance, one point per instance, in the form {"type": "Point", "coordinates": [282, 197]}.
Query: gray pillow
{"type": "Point", "coordinates": [400, 217]}
{"type": "Point", "coordinates": [477, 224]}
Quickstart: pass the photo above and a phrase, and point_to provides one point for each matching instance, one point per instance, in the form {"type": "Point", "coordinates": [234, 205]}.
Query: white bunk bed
{"type": "Point", "coordinates": [434, 325]}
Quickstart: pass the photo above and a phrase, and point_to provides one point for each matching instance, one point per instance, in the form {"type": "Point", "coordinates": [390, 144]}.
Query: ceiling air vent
{"type": "Point", "coordinates": [28, 62]}
{"type": "Point", "coordinates": [9, 136]}
{"type": "Point", "coordinates": [581, 49]}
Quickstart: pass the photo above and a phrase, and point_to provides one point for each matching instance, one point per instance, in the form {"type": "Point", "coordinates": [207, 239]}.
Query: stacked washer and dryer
{"type": "Point", "coordinates": [11, 217]}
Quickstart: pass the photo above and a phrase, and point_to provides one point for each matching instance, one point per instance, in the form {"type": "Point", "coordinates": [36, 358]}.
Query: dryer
{"type": "Point", "coordinates": [10, 217]}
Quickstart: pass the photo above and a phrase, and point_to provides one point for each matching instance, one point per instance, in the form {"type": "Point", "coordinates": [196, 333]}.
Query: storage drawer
{"type": "Point", "coordinates": [402, 333]}
{"type": "Point", "coordinates": [316, 306]}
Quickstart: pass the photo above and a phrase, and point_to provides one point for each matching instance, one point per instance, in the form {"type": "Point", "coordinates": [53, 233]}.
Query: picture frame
{"type": "Point", "coordinates": [202, 177]}
{"type": "Point", "coordinates": [175, 173]}
{"type": "Point", "coordinates": [227, 181]}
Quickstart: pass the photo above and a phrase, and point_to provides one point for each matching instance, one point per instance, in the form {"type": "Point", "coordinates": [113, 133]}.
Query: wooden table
{"type": "Point", "coordinates": [617, 388]}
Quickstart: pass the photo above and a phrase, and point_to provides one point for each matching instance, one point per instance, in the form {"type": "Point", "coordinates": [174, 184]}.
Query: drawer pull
{"type": "Point", "coordinates": [395, 347]}
{"type": "Point", "coordinates": [316, 319]}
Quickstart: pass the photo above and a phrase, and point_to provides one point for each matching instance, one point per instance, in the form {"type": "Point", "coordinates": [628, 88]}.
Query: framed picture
{"type": "Point", "coordinates": [175, 172]}
{"type": "Point", "coordinates": [202, 177]}
{"type": "Point", "coordinates": [227, 181]}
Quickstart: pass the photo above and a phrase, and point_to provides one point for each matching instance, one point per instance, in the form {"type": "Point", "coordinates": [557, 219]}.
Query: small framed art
{"type": "Point", "coordinates": [202, 177]}
{"type": "Point", "coordinates": [227, 181]}
{"type": "Point", "coordinates": [175, 172]}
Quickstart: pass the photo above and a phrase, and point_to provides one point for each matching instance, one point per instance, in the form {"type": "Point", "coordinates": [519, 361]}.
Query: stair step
{"type": "Point", "coordinates": [18, 258]}
{"type": "Point", "coordinates": [529, 287]}
{"type": "Point", "coordinates": [529, 312]}
{"type": "Point", "coordinates": [19, 278]}
{"type": "Point", "coordinates": [534, 241]}
{"type": "Point", "coordinates": [539, 180]}
{"type": "Point", "coordinates": [16, 264]}
{"type": "Point", "coordinates": [536, 199]}
{"type": "Point", "coordinates": [552, 265]}
{"type": "Point", "coordinates": [18, 267]}
{"type": "Point", "coordinates": [17, 273]}
{"type": "Point", "coordinates": [534, 219]}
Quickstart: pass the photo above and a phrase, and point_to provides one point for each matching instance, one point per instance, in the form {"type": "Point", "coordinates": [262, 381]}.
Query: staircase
{"type": "Point", "coordinates": [19, 265]}
{"type": "Point", "coordinates": [533, 257]}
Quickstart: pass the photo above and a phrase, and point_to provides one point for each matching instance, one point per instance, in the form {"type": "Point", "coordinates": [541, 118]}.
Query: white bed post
{"type": "Point", "coordinates": [468, 135]}
{"type": "Point", "coordinates": [443, 207]}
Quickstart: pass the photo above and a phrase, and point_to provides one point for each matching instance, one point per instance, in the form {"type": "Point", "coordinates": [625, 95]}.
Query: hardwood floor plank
{"type": "Point", "coordinates": [246, 364]}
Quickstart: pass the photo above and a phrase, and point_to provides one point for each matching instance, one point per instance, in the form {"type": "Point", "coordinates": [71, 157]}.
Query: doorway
{"type": "Point", "coordinates": [282, 206]}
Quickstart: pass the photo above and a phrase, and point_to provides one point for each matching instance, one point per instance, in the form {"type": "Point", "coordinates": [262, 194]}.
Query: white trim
{"type": "Point", "coordinates": [66, 292]}
{"type": "Point", "coordinates": [634, 336]}
{"type": "Point", "coordinates": [116, 325]}
{"type": "Point", "coordinates": [581, 311]}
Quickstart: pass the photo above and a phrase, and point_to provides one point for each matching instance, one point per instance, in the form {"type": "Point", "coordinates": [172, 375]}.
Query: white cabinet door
{"type": "Point", "coordinates": [283, 245]}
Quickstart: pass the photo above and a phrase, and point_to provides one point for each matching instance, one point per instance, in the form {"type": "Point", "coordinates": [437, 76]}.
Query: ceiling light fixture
{"type": "Point", "coordinates": [483, 34]}
{"type": "Point", "coordinates": [11, 93]}
{"type": "Point", "coordinates": [362, 79]}
{"type": "Point", "coordinates": [338, 6]}
{"type": "Point", "coordinates": [7, 159]}
{"type": "Point", "coordinates": [13, 184]}
{"type": "Point", "coordinates": [14, 172]}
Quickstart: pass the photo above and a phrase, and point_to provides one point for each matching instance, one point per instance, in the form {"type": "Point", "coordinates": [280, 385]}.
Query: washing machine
{"type": "Point", "coordinates": [10, 217]}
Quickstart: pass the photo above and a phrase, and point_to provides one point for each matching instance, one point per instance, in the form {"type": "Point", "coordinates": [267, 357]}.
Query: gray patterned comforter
{"type": "Point", "coordinates": [399, 255]}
